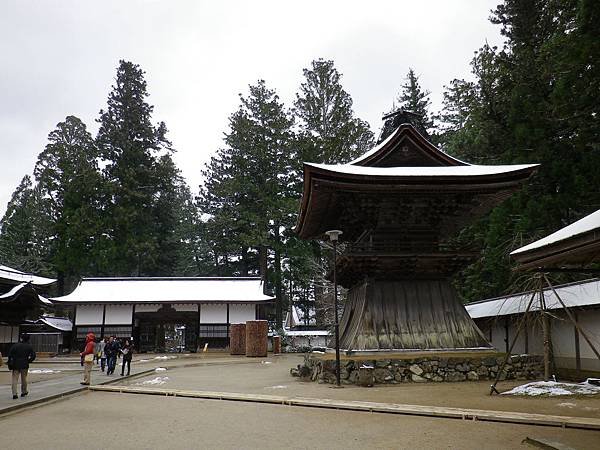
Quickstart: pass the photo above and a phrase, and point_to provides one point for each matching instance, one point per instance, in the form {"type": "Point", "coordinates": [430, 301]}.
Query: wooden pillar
{"type": "Point", "coordinates": [256, 337]}
{"type": "Point", "coordinates": [103, 321]}
{"type": "Point", "coordinates": [577, 349]}
{"type": "Point", "coordinates": [546, 332]}
{"type": "Point", "coordinates": [276, 344]}
{"type": "Point", "coordinates": [237, 339]}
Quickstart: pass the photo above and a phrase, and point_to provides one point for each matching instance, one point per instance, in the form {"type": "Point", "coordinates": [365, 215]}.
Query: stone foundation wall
{"type": "Point", "coordinates": [421, 370]}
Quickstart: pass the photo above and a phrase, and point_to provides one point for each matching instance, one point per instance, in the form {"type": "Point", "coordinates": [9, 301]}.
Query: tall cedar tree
{"type": "Point", "coordinates": [413, 98]}
{"type": "Point", "coordinates": [71, 190]}
{"type": "Point", "coordinates": [140, 218]}
{"type": "Point", "coordinates": [246, 190]}
{"type": "Point", "coordinates": [24, 231]}
{"type": "Point", "coordinates": [535, 100]}
{"type": "Point", "coordinates": [328, 133]}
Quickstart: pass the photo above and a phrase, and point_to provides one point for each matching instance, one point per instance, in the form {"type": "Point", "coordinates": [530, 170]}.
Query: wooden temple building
{"type": "Point", "coordinates": [399, 206]}
{"type": "Point", "coordinates": [22, 295]}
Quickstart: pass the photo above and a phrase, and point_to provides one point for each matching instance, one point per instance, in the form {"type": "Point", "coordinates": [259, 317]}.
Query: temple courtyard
{"type": "Point", "coordinates": [179, 414]}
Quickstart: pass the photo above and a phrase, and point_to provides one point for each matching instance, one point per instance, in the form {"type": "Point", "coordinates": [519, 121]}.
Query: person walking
{"type": "Point", "coordinates": [127, 352]}
{"type": "Point", "coordinates": [112, 350]}
{"type": "Point", "coordinates": [19, 357]}
{"type": "Point", "coordinates": [88, 358]}
{"type": "Point", "coordinates": [102, 353]}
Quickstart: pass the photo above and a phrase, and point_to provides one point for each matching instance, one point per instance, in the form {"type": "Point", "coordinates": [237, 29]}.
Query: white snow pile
{"type": "Point", "coordinates": [266, 362]}
{"type": "Point", "coordinates": [143, 360]}
{"type": "Point", "coordinates": [154, 382]}
{"type": "Point", "coordinates": [44, 371]}
{"type": "Point", "coordinates": [165, 357]}
{"type": "Point", "coordinates": [554, 388]}
{"type": "Point", "coordinates": [160, 369]}
{"type": "Point", "coordinates": [279, 386]}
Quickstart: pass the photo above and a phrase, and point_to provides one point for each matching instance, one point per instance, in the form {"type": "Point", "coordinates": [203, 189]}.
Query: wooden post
{"type": "Point", "coordinates": [276, 345]}
{"type": "Point", "coordinates": [577, 350]}
{"type": "Point", "coordinates": [256, 337]}
{"type": "Point", "coordinates": [546, 332]}
{"type": "Point", "coordinates": [237, 339]}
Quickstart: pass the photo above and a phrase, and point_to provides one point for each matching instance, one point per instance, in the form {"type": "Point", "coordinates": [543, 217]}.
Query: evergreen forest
{"type": "Point", "coordinates": [116, 204]}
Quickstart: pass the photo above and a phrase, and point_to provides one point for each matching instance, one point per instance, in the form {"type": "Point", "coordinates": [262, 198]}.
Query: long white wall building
{"type": "Point", "coordinates": [499, 318]}
{"type": "Point", "coordinates": [157, 311]}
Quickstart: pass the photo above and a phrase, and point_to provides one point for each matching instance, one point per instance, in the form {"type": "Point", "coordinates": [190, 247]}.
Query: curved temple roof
{"type": "Point", "coordinates": [167, 290]}
{"type": "Point", "coordinates": [16, 276]}
{"type": "Point", "coordinates": [404, 166]}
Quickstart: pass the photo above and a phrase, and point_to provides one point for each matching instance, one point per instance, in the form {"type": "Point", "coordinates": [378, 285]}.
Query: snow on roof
{"type": "Point", "coordinates": [11, 274]}
{"type": "Point", "coordinates": [387, 140]}
{"type": "Point", "coordinates": [60, 323]}
{"type": "Point", "coordinates": [586, 293]}
{"type": "Point", "coordinates": [167, 290]}
{"type": "Point", "coordinates": [588, 223]}
{"type": "Point", "coordinates": [14, 292]}
{"type": "Point", "coordinates": [435, 171]}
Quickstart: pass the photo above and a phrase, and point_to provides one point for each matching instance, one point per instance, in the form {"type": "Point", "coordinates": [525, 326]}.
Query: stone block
{"type": "Point", "coordinates": [418, 379]}
{"type": "Point", "coordinates": [415, 369]}
{"type": "Point", "coordinates": [472, 376]}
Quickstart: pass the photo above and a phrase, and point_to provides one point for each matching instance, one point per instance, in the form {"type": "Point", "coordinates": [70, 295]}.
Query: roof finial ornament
{"type": "Point", "coordinates": [393, 120]}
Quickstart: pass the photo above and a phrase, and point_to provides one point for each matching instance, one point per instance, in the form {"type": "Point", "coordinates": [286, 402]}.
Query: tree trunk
{"type": "Point", "coordinates": [278, 287]}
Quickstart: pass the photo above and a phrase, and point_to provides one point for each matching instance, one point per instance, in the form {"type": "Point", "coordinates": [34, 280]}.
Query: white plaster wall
{"type": "Point", "coordinates": [118, 314]}
{"type": "Point", "coordinates": [88, 315]}
{"type": "Point", "coordinates": [563, 338]}
{"type": "Point", "coordinates": [213, 313]}
{"type": "Point", "coordinates": [241, 313]}
{"type": "Point", "coordinates": [147, 308]}
{"type": "Point", "coordinates": [185, 307]}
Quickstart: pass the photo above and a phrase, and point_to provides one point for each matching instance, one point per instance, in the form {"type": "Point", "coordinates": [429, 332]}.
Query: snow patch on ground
{"type": "Point", "coordinates": [567, 405]}
{"type": "Point", "coordinates": [44, 371]}
{"type": "Point", "coordinates": [160, 369]}
{"type": "Point", "coordinates": [266, 362]}
{"type": "Point", "coordinates": [143, 360]}
{"type": "Point", "coordinates": [553, 388]}
{"type": "Point", "coordinates": [154, 382]}
{"type": "Point", "coordinates": [279, 386]}
{"type": "Point", "coordinates": [165, 357]}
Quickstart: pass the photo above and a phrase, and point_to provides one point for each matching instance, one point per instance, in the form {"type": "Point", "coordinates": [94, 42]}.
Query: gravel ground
{"type": "Point", "coordinates": [148, 422]}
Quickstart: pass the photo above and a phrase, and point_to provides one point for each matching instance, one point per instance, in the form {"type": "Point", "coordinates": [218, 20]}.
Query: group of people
{"type": "Point", "coordinates": [100, 351]}
{"type": "Point", "coordinates": [105, 352]}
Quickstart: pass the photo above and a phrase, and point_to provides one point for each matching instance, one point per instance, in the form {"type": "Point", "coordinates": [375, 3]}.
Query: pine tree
{"type": "Point", "coordinates": [246, 190]}
{"type": "Point", "coordinates": [24, 235]}
{"type": "Point", "coordinates": [132, 146]}
{"type": "Point", "coordinates": [329, 132]}
{"type": "Point", "coordinates": [413, 98]}
{"type": "Point", "coordinates": [71, 190]}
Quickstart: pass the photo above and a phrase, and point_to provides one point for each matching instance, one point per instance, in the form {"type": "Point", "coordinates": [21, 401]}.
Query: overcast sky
{"type": "Point", "coordinates": [59, 58]}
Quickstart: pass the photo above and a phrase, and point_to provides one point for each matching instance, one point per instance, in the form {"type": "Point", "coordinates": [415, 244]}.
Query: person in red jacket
{"type": "Point", "coordinates": [88, 361]}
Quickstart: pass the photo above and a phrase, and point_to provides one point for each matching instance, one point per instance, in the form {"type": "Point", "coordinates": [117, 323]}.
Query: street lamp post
{"type": "Point", "coordinates": [334, 237]}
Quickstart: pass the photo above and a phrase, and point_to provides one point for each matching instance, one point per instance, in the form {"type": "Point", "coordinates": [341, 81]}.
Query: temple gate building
{"type": "Point", "coordinates": [165, 314]}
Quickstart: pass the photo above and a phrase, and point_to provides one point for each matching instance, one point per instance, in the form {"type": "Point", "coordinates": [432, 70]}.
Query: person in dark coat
{"type": "Point", "coordinates": [112, 351]}
{"type": "Point", "coordinates": [127, 352]}
{"type": "Point", "coordinates": [19, 358]}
